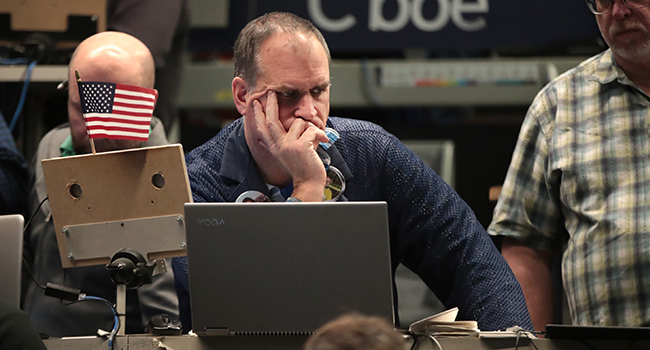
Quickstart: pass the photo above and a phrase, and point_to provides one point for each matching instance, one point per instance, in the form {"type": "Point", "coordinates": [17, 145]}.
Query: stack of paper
{"type": "Point", "coordinates": [444, 324]}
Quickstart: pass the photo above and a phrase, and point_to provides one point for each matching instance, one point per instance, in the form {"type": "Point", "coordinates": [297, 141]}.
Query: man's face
{"type": "Point", "coordinates": [296, 67]}
{"type": "Point", "coordinates": [626, 31]}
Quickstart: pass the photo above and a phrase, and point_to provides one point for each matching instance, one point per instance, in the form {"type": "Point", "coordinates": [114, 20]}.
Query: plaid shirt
{"type": "Point", "coordinates": [13, 173]}
{"type": "Point", "coordinates": [581, 172]}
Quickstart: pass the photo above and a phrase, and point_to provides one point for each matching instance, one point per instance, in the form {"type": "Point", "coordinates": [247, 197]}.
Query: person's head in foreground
{"type": "Point", "coordinates": [355, 332]}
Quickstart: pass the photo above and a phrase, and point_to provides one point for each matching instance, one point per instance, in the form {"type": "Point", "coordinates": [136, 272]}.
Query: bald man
{"type": "Point", "coordinates": [109, 57]}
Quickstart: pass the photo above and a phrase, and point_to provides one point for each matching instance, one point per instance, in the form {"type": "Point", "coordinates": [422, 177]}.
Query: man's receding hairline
{"type": "Point", "coordinates": [257, 32]}
{"type": "Point", "coordinates": [295, 44]}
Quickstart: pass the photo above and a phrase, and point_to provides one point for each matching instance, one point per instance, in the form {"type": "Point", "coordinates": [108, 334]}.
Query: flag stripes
{"type": "Point", "coordinates": [117, 111]}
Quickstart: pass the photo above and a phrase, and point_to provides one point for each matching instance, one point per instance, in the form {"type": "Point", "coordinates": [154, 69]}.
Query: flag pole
{"type": "Point", "coordinates": [92, 143]}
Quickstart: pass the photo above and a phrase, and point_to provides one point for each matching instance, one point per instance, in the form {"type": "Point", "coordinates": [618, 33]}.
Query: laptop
{"type": "Point", "coordinates": [563, 331]}
{"type": "Point", "coordinates": [11, 254]}
{"type": "Point", "coordinates": [286, 268]}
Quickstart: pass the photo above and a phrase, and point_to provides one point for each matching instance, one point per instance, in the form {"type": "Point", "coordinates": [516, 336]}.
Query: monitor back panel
{"type": "Point", "coordinates": [278, 268]}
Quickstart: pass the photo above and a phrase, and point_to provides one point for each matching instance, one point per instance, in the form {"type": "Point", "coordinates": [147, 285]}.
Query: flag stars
{"type": "Point", "coordinates": [97, 97]}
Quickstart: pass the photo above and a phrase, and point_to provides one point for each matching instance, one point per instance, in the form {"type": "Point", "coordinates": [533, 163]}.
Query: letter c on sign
{"type": "Point", "coordinates": [315, 9]}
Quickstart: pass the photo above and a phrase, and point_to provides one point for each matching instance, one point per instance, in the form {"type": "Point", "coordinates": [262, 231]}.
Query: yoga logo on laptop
{"type": "Point", "coordinates": [211, 222]}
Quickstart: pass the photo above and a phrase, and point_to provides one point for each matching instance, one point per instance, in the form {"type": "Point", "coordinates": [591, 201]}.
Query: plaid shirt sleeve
{"type": "Point", "coordinates": [528, 208]}
{"type": "Point", "coordinates": [13, 173]}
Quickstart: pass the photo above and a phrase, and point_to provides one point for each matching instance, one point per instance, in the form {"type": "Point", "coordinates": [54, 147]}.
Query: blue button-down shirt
{"type": "Point", "coordinates": [432, 231]}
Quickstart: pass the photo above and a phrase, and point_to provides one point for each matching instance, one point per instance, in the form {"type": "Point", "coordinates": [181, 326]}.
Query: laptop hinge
{"type": "Point", "coordinates": [300, 334]}
{"type": "Point", "coordinates": [216, 331]}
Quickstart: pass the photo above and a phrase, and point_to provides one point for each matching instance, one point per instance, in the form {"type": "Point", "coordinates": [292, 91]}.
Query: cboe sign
{"type": "Point", "coordinates": [407, 11]}
{"type": "Point", "coordinates": [439, 26]}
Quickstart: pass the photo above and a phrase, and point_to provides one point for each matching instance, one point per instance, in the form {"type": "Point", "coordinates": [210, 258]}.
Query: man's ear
{"type": "Point", "coordinates": [240, 94]}
{"type": "Point", "coordinates": [156, 101]}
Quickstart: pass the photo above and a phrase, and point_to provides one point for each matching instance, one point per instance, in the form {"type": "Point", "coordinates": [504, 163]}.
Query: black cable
{"type": "Point", "coordinates": [29, 271]}
{"type": "Point", "coordinates": [415, 339]}
{"type": "Point", "coordinates": [526, 333]}
{"type": "Point", "coordinates": [34, 214]}
{"type": "Point", "coordinates": [25, 265]}
{"type": "Point", "coordinates": [407, 333]}
{"type": "Point", "coordinates": [529, 338]}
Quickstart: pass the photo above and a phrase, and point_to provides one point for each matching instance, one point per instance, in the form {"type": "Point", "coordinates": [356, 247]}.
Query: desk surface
{"type": "Point", "coordinates": [144, 342]}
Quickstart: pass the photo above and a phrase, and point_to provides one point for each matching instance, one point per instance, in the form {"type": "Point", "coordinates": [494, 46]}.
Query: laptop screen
{"type": "Point", "coordinates": [280, 268]}
{"type": "Point", "coordinates": [11, 253]}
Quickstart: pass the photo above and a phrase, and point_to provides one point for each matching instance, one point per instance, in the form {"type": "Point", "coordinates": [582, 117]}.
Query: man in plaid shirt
{"type": "Point", "coordinates": [579, 181]}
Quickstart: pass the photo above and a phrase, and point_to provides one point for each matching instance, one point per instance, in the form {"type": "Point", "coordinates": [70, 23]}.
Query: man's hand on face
{"type": "Point", "coordinates": [293, 149]}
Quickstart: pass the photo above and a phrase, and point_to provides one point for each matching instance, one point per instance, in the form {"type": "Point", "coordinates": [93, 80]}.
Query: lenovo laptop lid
{"type": "Point", "coordinates": [11, 253]}
{"type": "Point", "coordinates": [286, 268]}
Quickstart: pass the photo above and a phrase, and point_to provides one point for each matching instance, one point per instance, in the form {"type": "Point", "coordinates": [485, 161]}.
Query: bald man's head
{"type": "Point", "coordinates": [116, 57]}
{"type": "Point", "coordinates": [111, 57]}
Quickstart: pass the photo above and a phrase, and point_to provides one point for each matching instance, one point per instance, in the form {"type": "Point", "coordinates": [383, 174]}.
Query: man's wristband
{"type": "Point", "coordinates": [294, 200]}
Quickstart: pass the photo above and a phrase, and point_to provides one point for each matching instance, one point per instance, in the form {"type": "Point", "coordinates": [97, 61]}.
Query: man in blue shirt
{"type": "Point", "coordinates": [281, 87]}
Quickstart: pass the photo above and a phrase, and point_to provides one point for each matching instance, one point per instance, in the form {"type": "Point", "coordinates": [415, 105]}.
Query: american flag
{"type": "Point", "coordinates": [116, 111]}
